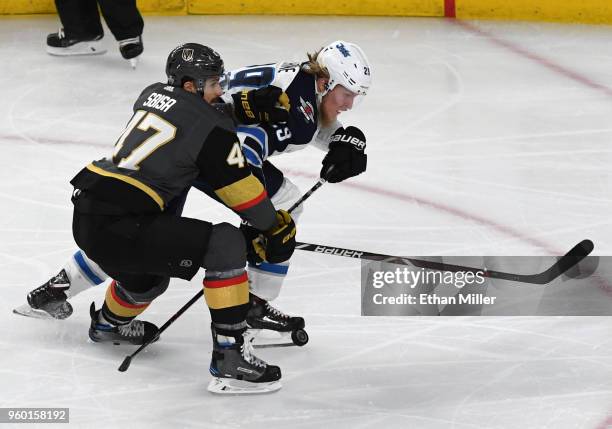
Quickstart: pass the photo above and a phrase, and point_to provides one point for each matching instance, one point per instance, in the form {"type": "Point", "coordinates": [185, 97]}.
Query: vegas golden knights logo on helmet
{"type": "Point", "coordinates": [187, 54]}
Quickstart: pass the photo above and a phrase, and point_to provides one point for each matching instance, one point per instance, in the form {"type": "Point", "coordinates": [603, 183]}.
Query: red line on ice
{"type": "Point", "coordinates": [503, 229]}
{"type": "Point", "coordinates": [506, 230]}
{"type": "Point", "coordinates": [606, 424]}
{"type": "Point", "coordinates": [549, 64]}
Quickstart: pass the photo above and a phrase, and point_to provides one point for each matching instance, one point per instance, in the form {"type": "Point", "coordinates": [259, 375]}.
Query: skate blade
{"type": "Point", "coordinates": [263, 338]}
{"type": "Point", "coordinates": [230, 386]}
{"type": "Point", "coordinates": [82, 48]}
{"type": "Point", "coordinates": [27, 311]}
{"type": "Point", "coordinates": [134, 62]}
{"type": "Point", "coordinates": [113, 343]}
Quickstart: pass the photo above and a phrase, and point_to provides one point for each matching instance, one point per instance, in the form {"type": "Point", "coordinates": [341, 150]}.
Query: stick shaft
{"type": "Point", "coordinates": [571, 258]}
{"type": "Point", "coordinates": [169, 322]}
{"type": "Point", "coordinates": [320, 182]}
{"type": "Point", "coordinates": [307, 195]}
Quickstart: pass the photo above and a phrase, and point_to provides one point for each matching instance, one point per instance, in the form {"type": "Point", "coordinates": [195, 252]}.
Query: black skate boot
{"type": "Point", "coordinates": [131, 49]}
{"type": "Point", "coordinates": [49, 300]}
{"type": "Point", "coordinates": [136, 332]}
{"type": "Point", "coordinates": [61, 44]}
{"type": "Point", "coordinates": [263, 316]}
{"type": "Point", "coordinates": [236, 370]}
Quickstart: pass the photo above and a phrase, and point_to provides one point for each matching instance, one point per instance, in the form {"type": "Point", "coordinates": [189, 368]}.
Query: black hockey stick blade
{"type": "Point", "coordinates": [571, 258]}
{"type": "Point", "coordinates": [128, 359]}
{"type": "Point", "coordinates": [567, 261]}
{"type": "Point", "coordinates": [125, 364]}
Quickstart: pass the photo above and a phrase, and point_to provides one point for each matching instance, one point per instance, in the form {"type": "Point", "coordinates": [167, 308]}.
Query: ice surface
{"type": "Point", "coordinates": [487, 138]}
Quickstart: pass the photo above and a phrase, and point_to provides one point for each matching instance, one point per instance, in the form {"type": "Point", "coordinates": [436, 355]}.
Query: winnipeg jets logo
{"type": "Point", "coordinates": [307, 109]}
{"type": "Point", "coordinates": [345, 52]}
{"type": "Point", "coordinates": [187, 54]}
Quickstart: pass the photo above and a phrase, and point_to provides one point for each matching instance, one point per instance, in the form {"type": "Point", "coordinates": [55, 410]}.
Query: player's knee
{"type": "Point", "coordinates": [143, 292]}
{"type": "Point", "coordinates": [226, 248]}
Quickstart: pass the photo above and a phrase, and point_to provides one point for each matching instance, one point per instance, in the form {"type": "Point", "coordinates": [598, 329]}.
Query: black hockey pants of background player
{"type": "Point", "coordinates": [81, 20]}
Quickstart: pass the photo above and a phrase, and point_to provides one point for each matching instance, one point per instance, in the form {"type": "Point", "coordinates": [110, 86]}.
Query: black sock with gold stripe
{"type": "Point", "coordinates": [227, 297]}
{"type": "Point", "coordinates": [119, 308]}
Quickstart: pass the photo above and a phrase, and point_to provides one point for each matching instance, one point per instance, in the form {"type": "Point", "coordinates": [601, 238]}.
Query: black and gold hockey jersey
{"type": "Point", "coordinates": [174, 138]}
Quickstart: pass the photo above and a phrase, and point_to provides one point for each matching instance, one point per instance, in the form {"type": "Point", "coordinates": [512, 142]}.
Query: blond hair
{"type": "Point", "coordinates": [314, 68]}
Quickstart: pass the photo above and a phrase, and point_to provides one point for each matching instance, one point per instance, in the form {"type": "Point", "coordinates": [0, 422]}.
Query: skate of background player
{"type": "Point", "coordinates": [484, 163]}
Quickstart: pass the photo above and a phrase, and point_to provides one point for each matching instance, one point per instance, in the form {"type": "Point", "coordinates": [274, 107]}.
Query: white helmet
{"type": "Point", "coordinates": [347, 66]}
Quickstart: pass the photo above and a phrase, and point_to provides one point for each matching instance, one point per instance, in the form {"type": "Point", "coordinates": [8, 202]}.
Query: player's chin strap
{"type": "Point", "coordinates": [128, 359]}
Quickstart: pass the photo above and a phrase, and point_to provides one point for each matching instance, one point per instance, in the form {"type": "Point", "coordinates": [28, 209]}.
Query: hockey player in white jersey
{"type": "Point", "coordinates": [332, 81]}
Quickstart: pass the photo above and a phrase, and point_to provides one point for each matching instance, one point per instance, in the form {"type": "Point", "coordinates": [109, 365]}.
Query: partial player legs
{"type": "Point", "coordinates": [122, 17]}
{"type": "Point", "coordinates": [82, 30]}
{"type": "Point", "coordinates": [123, 303]}
{"type": "Point", "coordinates": [126, 24]}
{"type": "Point", "coordinates": [61, 44]}
{"type": "Point", "coordinates": [50, 300]}
{"type": "Point", "coordinates": [80, 18]}
{"type": "Point", "coordinates": [233, 363]}
{"type": "Point", "coordinates": [266, 281]}
{"type": "Point", "coordinates": [237, 370]}
{"type": "Point", "coordinates": [226, 289]}
{"type": "Point", "coordinates": [263, 316]}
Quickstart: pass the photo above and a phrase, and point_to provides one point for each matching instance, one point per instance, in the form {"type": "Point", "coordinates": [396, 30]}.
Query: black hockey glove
{"type": "Point", "coordinates": [261, 105]}
{"type": "Point", "coordinates": [273, 246]}
{"type": "Point", "coordinates": [346, 155]}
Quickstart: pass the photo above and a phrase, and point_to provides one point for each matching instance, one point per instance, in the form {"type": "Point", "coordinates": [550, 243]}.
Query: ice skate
{"type": "Point", "coordinates": [59, 44]}
{"type": "Point", "coordinates": [131, 49]}
{"type": "Point", "coordinates": [136, 332]}
{"type": "Point", "coordinates": [237, 371]}
{"type": "Point", "coordinates": [270, 327]}
{"type": "Point", "coordinates": [49, 300]}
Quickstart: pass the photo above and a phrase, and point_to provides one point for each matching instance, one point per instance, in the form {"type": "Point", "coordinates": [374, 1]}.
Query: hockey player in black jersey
{"type": "Point", "coordinates": [331, 81]}
{"type": "Point", "coordinates": [122, 221]}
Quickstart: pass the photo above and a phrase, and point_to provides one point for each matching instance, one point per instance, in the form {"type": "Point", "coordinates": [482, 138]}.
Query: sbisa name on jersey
{"type": "Point", "coordinates": [159, 101]}
{"type": "Point", "coordinates": [348, 139]}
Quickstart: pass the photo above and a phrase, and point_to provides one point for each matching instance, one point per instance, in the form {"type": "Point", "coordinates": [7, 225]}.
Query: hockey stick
{"type": "Point", "coordinates": [567, 261]}
{"type": "Point", "coordinates": [128, 359]}
{"type": "Point", "coordinates": [307, 195]}
{"type": "Point", "coordinates": [322, 181]}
